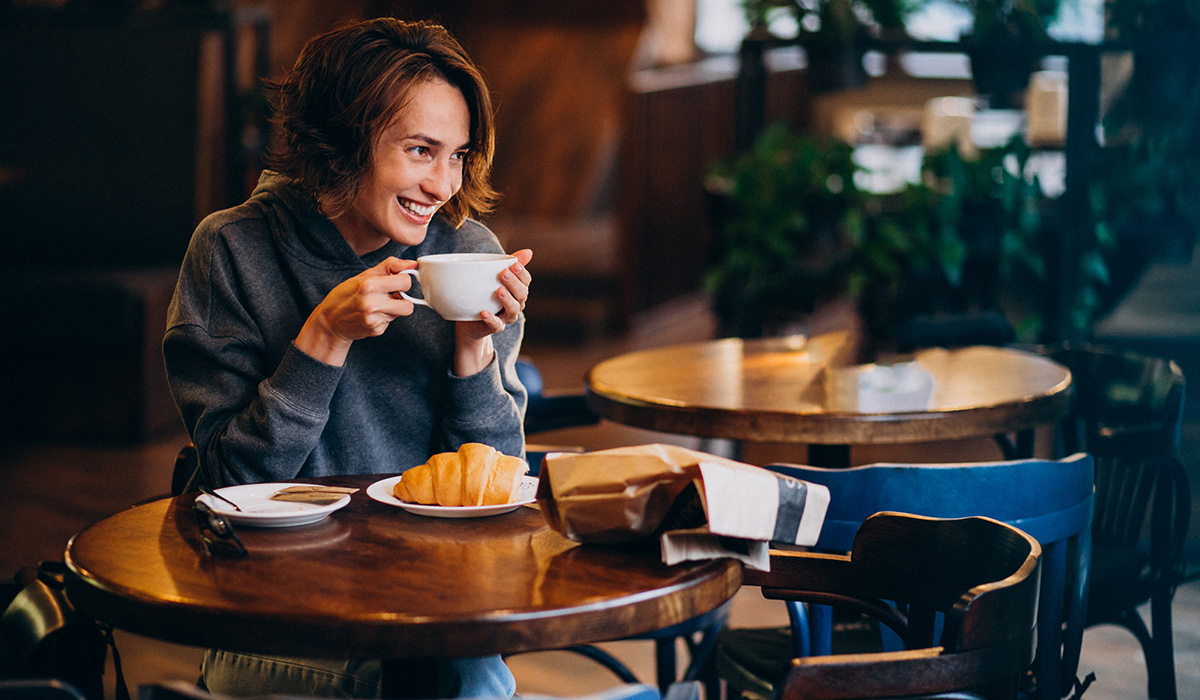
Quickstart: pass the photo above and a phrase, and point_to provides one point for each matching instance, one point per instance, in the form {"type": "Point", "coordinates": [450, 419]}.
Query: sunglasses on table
{"type": "Point", "coordinates": [218, 535]}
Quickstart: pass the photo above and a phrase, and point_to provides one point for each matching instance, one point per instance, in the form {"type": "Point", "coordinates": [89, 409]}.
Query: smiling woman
{"type": "Point", "coordinates": [291, 350]}
{"type": "Point", "coordinates": [418, 167]}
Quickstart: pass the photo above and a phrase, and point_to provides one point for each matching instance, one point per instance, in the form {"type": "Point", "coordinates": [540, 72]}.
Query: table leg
{"type": "Point", "coordinates": [1025, 443]}
{"type": "Point", "coordinates": [1022, 448]}
{"type": "Point", "coordinates": [829, 456]}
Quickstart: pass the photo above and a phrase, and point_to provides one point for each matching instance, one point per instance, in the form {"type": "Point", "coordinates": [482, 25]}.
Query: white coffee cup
{"type": "Point", "coordinates": [459, 286]}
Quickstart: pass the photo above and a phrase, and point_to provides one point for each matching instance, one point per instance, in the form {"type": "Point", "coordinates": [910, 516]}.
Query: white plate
{"type": "Point", "coordinates": [382, 492]}
{"type": "Point", "coordinates": [258, 510]}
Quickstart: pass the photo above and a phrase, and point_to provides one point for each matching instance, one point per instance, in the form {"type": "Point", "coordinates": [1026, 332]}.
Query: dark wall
{"type": "Point", "coordinates": [99, 129]}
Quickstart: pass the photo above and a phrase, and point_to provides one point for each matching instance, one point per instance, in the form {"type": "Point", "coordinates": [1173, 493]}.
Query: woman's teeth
{"type": "Point", "coordinates": [418, 209]}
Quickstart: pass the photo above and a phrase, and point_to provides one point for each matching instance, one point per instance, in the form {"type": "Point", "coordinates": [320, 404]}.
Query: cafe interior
{"type": "Point", "coordinates": [858, 182]}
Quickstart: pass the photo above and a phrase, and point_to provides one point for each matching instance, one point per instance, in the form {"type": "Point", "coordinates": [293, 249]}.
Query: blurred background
{"type": "Point", "coordinates": [770, 155]}
{"type": "Point", "coordinates": [683, 169]}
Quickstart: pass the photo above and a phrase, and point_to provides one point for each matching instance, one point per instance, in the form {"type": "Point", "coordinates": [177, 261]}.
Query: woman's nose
{"type": "Point", "coordinates": [443, 181]}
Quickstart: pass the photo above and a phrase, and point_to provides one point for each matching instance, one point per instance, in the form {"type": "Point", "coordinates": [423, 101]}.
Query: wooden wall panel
{"type": "Point", "coordinates": [680, 122]}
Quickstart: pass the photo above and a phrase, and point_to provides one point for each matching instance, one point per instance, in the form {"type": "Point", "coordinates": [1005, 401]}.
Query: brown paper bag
{"type": "Point", "coordinates": [699, 505]}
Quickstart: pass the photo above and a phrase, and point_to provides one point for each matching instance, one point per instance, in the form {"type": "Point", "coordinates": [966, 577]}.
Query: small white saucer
{"type": "Point", "coordinates": [258, 510]}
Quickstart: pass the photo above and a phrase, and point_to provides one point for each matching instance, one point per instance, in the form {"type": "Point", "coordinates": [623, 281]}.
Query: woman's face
{"type": "Point", "coordinates": [417, 165]}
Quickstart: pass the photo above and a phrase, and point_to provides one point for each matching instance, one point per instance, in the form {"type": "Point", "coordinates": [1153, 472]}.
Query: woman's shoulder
{"type": "Point", "coordinates": [235, 227]}
{"type": "Point", "coordinates": [272, 198]}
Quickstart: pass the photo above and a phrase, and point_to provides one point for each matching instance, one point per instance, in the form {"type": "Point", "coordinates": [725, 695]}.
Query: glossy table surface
{"type": "Point", "coordinates": [374, 580]}
{"type": "Point", "coordinates": [773, 390]}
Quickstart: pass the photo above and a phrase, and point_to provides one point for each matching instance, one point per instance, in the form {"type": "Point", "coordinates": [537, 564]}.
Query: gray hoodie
{"type": "Point", "coordinates": [259, 409]}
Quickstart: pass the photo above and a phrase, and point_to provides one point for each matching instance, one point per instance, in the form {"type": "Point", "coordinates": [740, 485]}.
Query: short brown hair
{"type": "Point", "coordinates": [348, 85]}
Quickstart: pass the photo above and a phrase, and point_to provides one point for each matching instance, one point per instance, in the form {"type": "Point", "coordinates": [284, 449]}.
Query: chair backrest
{"type": "Point", "coordinates": [1051, 500]}
{"type": "Point", "coordinates": [185, 475]}
{"type": "Point", "coordinates": [1128, 413]}
{"type": "Point", "coordinates": [545, 412]}
{"type": "Point", "coordinates": [979, 573]}
{"type": "Point", "coordinates": [44, 636]}
{"type": "Point", "coordinates": [39, 689]}
{"type": "Point", "coordinates": [1123, 399]}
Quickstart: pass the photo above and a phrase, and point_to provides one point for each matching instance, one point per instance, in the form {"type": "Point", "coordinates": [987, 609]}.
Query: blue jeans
{"type": "Point", "coordinates": [231, 673]}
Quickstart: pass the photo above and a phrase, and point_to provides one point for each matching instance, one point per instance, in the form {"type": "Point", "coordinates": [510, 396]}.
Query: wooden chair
{"type": "Point", "coordinates": [1051, 500]}
{"type": "Point", "coordinates": [49, 649]}
{"type": "Point", "coordinates": [981, 575]}
{"type": "Point", "coordinates": [1127, 415]}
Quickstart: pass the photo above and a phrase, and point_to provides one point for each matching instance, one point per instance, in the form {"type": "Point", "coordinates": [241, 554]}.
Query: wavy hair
{"type": "Point", "coordinates": [349, 84]}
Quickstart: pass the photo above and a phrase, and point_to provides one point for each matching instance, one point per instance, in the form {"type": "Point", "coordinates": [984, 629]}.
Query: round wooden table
{"type": "Point", "coordinates": [375, 581]}
{"type": "Point", "coordinates": [772, 390]}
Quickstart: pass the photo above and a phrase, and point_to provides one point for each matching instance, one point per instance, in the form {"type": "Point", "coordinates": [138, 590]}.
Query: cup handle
{"type": "Point", "coordinates": [417, 276]}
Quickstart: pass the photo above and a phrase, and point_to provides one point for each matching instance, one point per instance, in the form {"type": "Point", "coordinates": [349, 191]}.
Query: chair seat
{"type": "Point", "coordinates": [764, 653]}
{"type": "Point", "coordinates": [760, 653]}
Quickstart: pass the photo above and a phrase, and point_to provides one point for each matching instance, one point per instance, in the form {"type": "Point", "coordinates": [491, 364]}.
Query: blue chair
{"type": "Point", "coordinates": [545, 412]}
{"type": "Point", "coordinates": [1051, 500]}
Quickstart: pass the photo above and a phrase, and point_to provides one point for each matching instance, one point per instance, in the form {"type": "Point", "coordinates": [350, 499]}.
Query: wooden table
{"type": "Point", "coordinates": [772, 390]}
{"type": "Point", "coordinates": [375, 581]}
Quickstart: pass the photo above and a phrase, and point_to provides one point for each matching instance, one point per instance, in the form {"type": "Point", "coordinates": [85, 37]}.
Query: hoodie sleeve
{"type": "Point", "coordinates": [489, 406]}
{"type": "Point", "coordinates": [252, 417]}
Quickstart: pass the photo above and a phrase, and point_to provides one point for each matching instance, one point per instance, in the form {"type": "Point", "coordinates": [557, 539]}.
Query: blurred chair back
{"type": "Point", "coordinates": [43, 636]}
{"type": "Point", "coordinates": [546, 412]}
{"type": "Point", "coordinates": [1128, 414]}
{"type": "Point", "coordinates": [978, 574]}
{"type": "Point", "coordinates": [1051, 500]}
{"type": "Point", "coordinates": [39, 690]}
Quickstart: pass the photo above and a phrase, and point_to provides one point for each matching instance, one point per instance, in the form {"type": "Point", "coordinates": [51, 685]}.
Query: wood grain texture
{"type": "Point", "coordinates": [374, 580]}
{"type": "Point", "coordinates": [766, 390]}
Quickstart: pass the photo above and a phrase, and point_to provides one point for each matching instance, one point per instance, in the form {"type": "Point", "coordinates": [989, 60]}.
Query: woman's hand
{"type": "Point", "coordinates": [361, 307]}
{"type": "Point", "coordinates": [473, 339]}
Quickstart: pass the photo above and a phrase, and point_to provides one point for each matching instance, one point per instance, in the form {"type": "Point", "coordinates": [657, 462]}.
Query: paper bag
{"type": "Point", "coordinates": [699, 505]}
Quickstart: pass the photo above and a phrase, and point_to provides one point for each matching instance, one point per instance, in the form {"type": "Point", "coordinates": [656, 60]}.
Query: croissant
{"type": "Point", "coordinates": [475, 475]}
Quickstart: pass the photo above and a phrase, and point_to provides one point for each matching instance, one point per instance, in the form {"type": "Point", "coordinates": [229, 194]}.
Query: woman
{"type": "Point", "coordinates": [289, 349]}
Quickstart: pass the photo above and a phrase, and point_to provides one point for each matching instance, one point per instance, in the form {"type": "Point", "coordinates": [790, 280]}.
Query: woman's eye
{"type": "Point", "coordinates": [419, 150]}
{"type": "Point", "coordinates": [459, 156]}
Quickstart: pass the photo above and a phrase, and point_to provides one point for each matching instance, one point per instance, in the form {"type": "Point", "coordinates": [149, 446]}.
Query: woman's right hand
{"type": "Point", "coordinates": [361, 307]}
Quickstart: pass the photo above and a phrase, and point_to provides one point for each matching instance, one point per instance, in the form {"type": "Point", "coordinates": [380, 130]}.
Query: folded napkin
{"type": "Point", "coordinates": [316, 495]}
{"type": "Point", "coordinates": [699, 505]}
{"type": "Point", "coordinates": [878, 388]}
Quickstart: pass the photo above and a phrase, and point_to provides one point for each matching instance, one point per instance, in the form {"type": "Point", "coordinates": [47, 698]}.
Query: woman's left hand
{"type": "Point", "coordinates": [473, 338]}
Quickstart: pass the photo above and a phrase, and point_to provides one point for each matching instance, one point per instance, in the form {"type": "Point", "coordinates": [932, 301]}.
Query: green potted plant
{"type": "Point", "coordinates": [1146, 188]}
{"type": "Point", "coordinates": [948, 244]}
{"type": "Point", "coordinates": [787, 204]}
{"type": "Point", "coordinates": [797, 230]}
